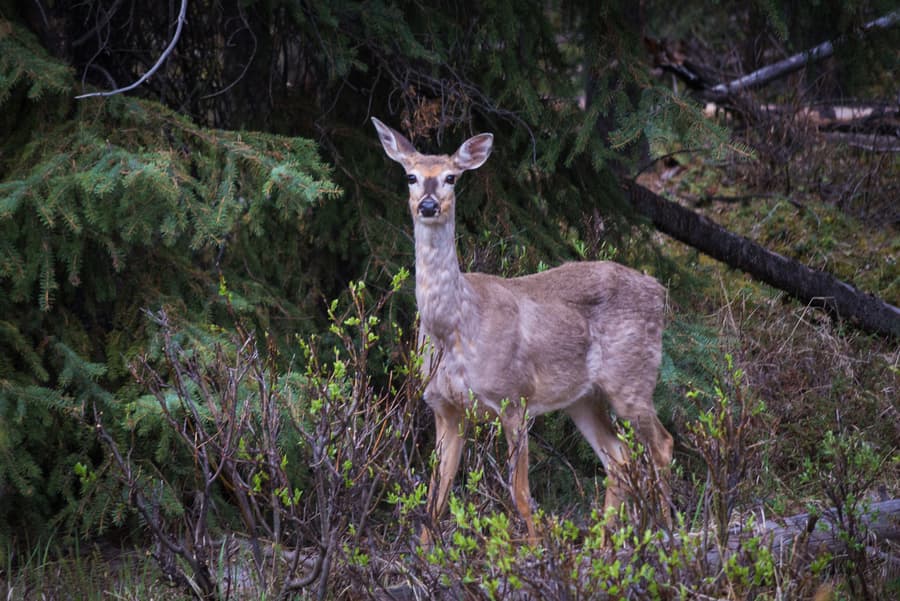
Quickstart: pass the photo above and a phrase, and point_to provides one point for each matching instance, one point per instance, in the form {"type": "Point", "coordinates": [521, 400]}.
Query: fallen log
{"type": "Point", "coordinates": [669, 58]}
{"type": "Point", "coordinates": [881, 520]}
{"type": "Point", "coordinates": [817, 532]}
{"type": "Point", "coordinates": [809, 286]}
{"type": "Point", "coordinates": [868, 142]}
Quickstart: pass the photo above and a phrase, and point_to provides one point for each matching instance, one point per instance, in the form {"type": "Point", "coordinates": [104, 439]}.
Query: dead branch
{"type": "Point", "coordinates": [169, 548]}
{"type": "Point", "coordinates": [796, 62]}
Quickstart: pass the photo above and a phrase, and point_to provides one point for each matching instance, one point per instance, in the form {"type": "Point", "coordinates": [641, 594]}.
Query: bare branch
{"type": "Point", "coordinates": [249, 60]}
{"type": "Point", "coordinates": [43, 13]}
{"type": "Point", "coordinates": [180, 24]}
{"type": "Point", "coordinates": [101, 22]}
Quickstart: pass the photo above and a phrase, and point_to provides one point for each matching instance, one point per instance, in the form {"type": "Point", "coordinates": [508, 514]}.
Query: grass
{"type": "Point", "coordinates": [96, 573]}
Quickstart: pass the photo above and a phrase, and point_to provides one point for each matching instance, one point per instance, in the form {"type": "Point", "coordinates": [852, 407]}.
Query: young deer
{"type": "Point", "coordinates": [580, 338]}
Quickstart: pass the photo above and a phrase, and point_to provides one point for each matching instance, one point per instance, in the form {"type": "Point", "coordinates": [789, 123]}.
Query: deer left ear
{"type": "Point", "coordinates": [474, 152]}
{"type": "Point", "coordinates": [395, 145]}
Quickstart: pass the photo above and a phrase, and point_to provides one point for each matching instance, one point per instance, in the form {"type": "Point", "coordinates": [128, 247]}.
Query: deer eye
{"type": "Point", "coordinates": [450, 179]}
{"type": "Point", "coordinates": [411, 179]}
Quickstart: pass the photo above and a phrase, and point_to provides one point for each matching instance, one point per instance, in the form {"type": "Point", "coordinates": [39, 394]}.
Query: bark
{"type": "Point", "coordinates": [881, 520]}
{"type": "Point", "coordinates": [810, 286]}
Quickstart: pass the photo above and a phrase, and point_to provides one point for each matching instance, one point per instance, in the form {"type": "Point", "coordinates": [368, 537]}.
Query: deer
{"type": "Point", "coordinates": [584, 338]}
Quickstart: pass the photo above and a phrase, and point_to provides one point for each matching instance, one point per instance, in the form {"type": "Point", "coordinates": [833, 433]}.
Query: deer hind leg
{"type": "Point", "coordinates": [514, 427]}
{"type": "Point", "coordinates": [591, 416]}
{"type": "Point", "coordinates": [637, 408]}
{"type": "Point", "coordinates": [449, 441]}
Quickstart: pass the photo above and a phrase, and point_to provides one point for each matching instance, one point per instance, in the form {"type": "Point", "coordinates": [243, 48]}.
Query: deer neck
{"type": "Point", "coordinates": [444, 297]}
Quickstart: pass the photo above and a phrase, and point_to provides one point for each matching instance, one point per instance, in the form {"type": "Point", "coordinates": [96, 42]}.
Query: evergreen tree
{"type": "Point", "coordinates": [109, 207]}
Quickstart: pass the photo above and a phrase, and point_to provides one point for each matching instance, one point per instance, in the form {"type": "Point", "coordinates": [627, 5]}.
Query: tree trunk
{"type": "Point", "coordinates": [816, 288]}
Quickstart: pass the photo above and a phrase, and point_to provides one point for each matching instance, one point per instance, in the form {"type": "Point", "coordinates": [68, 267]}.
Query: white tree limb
{"type": "Point", "coordinates": [155, 67]}
{"type": "Point", "coordinates": [798, 61]}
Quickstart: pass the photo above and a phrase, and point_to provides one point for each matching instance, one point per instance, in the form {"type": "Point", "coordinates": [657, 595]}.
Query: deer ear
{"type": "Point", "coordinates": [395, 145]}
{"type": "Point", "coordinates": [474, 152]}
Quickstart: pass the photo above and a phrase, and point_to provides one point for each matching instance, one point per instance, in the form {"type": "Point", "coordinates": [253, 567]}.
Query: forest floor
{"type": "Point", "coordinates": [832, 208]}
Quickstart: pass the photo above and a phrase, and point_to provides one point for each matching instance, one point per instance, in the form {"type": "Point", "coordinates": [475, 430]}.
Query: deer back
{"type": "Point", "coordinates": [551, 338]}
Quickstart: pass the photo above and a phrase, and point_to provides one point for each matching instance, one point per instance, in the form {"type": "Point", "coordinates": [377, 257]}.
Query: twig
{"type": "Point", "coordinates": [43, 13]}
{"type": "Point", "coordinates": [664, 157]}
{"type": "Point", "coordinates": [180, 24]}
{"type": "Point", "coordinates": [249, 60]}
{"type": "Point", "coordinates": [101, 22]}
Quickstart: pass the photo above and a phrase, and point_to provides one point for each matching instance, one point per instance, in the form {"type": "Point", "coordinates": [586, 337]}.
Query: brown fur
{"type": "Point", "coordinates": [581, 338]}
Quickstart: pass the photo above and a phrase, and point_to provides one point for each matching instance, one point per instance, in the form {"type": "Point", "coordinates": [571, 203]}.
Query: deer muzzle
{"type": "Point", "coordinates": [429, 207]}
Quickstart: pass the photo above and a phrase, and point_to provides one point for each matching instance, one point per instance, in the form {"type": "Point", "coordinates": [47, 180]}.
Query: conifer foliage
{"type": "Point", "coordinates": [107, 208]}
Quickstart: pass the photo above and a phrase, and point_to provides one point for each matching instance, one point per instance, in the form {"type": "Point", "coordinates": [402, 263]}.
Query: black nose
{"type": "Point", "coordinates": [429, 207]}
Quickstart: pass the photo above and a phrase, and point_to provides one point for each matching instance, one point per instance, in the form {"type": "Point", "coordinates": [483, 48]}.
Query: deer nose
{"type": "Point", "coordinates": [429, 207]}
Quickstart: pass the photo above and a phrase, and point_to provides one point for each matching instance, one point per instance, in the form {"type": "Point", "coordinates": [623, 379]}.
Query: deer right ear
{"type": "Point", "coordinates": [395, 145]}
{"type": "Point", "coordinates": [474, 152]}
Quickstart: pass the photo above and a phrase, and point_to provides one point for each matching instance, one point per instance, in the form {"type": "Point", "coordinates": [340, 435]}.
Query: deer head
{"type": "Point", "coordinates": [431, 177]}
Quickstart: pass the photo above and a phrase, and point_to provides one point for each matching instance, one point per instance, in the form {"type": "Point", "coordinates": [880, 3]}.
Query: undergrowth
{"type": "Point", "coordinates": [311, 483]}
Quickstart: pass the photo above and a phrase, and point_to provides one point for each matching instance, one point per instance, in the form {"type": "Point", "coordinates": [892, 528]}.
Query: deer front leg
{"type": "Point", "coordinates": [517, 441]}
{"type": "Point", "coordinates": [448, 446]}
